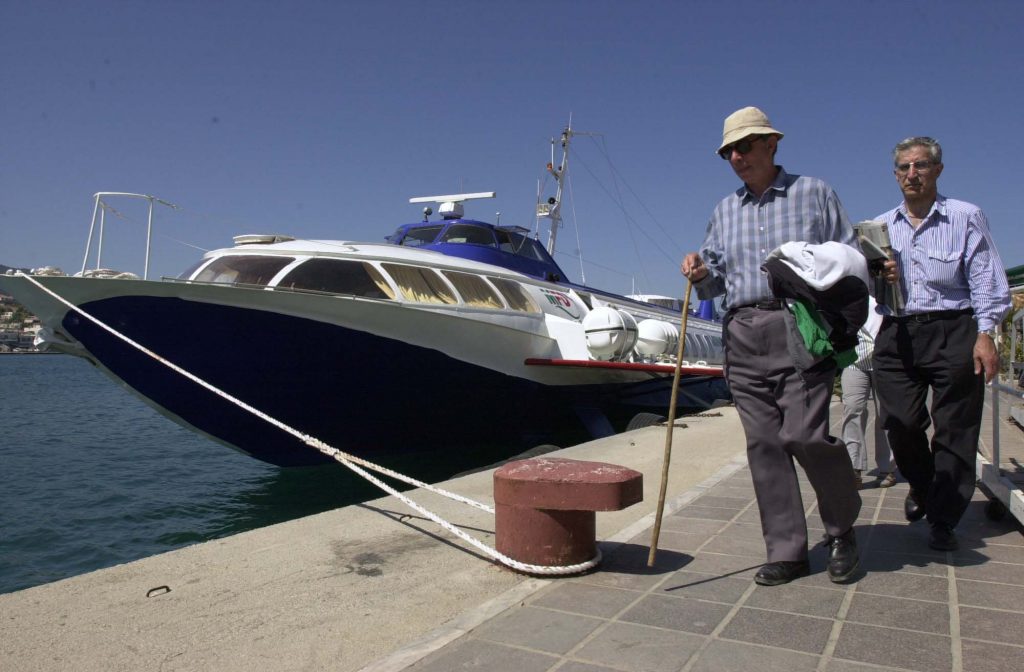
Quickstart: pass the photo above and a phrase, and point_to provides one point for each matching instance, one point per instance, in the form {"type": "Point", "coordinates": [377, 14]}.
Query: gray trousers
{"type": "Point", "coordinates": [858, 392]}
{"type": "Point", "coordinates": [785, 417]}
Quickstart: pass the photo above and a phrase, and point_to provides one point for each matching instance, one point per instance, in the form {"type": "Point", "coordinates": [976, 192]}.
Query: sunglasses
{"type": "Point", "coordinates": [920, 166]}
{"type": "Point", "coordinates": [742, 146]}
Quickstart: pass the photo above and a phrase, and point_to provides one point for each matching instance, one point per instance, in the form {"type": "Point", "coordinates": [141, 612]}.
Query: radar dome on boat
{"type": "Point", "coordinates": [610, 333]}
{"type": "Point", "coordinates": [656, 337]}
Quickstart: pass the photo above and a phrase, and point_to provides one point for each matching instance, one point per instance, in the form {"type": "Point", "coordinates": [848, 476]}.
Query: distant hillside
{"type": "Point", "coordinates": [4, 269]}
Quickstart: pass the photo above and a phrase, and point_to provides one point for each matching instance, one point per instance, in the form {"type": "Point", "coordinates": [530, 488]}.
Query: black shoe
{"type": "Point", "coordinates": [783, 571]}
{"type": "Point", "coordinates": [943, 538]}
{"type": "Point", "coordinates": [913, 508]}
{"type": "Point", "coordinates": [843, 558]}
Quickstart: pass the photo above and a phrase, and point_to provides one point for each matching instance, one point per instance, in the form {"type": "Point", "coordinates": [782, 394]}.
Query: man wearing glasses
{"type": "Point", "coordinates": [955, 294]}
{"type": "Point", "coordinates": [785, 413]}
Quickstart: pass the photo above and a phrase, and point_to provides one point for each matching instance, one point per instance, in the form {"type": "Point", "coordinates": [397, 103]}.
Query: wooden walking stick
{"type": "Point", "coordinates": [671, 424]}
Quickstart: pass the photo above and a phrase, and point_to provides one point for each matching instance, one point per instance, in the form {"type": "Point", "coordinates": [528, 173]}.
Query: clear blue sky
{"type": "Point", "coordinates": [321, 119]}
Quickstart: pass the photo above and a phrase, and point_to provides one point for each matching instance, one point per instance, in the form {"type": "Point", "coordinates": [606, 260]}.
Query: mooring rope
{"type": "Point", "coordinates": [354, 463]}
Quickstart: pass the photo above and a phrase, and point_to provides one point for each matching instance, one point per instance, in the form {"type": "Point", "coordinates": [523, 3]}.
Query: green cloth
{"type": "Point", "coordinates": [815, 333]}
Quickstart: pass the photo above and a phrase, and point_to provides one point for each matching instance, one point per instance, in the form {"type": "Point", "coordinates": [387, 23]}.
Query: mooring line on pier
{"type": "Point", "coordinates": [354, 463]}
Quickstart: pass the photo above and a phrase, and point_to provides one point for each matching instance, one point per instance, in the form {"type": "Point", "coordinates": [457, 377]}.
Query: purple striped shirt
{"type": "Point", "coordinates": [949, 262]}
{"type": "Point", "coordinates": [744, 229]}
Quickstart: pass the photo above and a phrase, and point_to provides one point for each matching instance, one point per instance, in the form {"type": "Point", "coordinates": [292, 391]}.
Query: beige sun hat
{"type": "Point", "coordinates": [748, 121]}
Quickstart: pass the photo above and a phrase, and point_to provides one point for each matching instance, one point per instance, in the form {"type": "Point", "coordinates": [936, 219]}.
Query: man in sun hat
{"type": "Point", "coordinates": [785, 412]}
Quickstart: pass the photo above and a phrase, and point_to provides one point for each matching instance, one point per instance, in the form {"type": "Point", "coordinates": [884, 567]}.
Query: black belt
{"type": "Point", "coordinates": [767, 304]}
{"type": "Point", "coordinates": [932, 316]}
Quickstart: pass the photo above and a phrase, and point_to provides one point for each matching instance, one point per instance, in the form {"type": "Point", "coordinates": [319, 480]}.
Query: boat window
{"type": "Point", "coordinates": [467, 233]}
{"type": "Point", "coordinates": [337, 276]}
{"type": "Point", "coordinates": [473, 290]}
{"type": "Point", "coordinates": [517, 243]}
{"type": "Point", "coordinates": [515, 295]}
{"type": "Point", "coordinates": [420, 235]}
{"type": "Point", "coordinates": [420, 284]}
{"type": "Point", "coordinates": [244, 270]}
{"type": "Point", "coordinates": [187, 273]}
{"type": "Point", "coordinates": [505, 241]}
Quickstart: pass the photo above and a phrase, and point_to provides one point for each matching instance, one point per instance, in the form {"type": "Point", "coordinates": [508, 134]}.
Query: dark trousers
{"type": "Point", "coordinates": [911, 357]}
{"type": "Point", "coordinates": [785, 417]}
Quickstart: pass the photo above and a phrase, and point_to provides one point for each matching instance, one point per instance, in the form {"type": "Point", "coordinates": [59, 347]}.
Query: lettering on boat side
{"type": "Point", "coordinates": [561, 301]}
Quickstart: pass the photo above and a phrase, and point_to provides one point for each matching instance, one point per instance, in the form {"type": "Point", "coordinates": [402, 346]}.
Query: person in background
{"type": "Point", "coordinates": [784, 413]}
{"type": "Point", "coordinates": [955, 294]}
{"type": "Point", "coordinates": [858, 385]}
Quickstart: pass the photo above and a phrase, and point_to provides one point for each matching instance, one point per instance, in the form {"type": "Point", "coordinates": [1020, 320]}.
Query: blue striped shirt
{"type": "Point", "coordinates": [949, 262]}
{"type": "Point", "coordinates": [744, 229]}
{"type": "Point", "coordinates": [864, 349]}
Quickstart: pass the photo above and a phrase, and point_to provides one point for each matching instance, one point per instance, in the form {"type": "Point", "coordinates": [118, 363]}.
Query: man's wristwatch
{"type": "Point", "coordinates": [990, 332]}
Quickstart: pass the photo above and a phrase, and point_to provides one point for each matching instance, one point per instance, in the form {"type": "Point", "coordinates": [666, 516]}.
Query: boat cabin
{"type": "Point", "coordinates": [510, 247]}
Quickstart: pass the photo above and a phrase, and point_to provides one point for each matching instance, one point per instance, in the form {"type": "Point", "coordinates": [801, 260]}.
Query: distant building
{"type": "Point", "coordinates": [18, 328]}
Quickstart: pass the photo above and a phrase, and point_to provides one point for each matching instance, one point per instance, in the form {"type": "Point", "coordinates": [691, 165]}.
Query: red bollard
{"type": "Point", "coordinates": [545, 507]}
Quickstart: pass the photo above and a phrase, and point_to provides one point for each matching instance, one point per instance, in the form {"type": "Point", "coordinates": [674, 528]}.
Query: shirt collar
{"type": "Point", "coordinates": [781, 183]}
{"type": "Point", "coordinates": [938, 206]}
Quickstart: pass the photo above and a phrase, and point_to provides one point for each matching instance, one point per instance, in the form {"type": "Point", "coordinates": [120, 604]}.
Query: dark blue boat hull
{"type": "Point", "coordinates": [382, 399]}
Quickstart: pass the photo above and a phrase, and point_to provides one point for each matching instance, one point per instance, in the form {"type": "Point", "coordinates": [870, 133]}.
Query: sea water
{"type": "Point", "coordinates": [91, 477]}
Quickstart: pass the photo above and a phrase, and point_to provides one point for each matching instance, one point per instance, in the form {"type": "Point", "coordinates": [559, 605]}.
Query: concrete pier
{"type": "Point", "coordinates": [374, 587]}
{"type": "Point", "coordinates": [334, 591]}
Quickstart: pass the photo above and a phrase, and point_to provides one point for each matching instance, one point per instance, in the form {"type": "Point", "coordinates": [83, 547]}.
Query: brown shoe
{"type": "Point", "coordinates": [887, 480]}
{"type": "Point", "coordinates": [858, 481]}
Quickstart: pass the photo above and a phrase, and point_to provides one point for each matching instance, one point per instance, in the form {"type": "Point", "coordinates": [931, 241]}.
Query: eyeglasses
{"type": "Point", "coordinates": [922, 166]}
{"type": "Point", "coordinates": [743, 147]}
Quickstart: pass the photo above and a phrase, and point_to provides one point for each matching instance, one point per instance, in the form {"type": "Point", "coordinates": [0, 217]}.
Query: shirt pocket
{"type": "Point", "coordinates": [943, 268]}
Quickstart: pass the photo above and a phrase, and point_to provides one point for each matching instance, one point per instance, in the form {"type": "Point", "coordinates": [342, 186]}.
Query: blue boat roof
{"type": "Point", "coordinates": [510, 247]}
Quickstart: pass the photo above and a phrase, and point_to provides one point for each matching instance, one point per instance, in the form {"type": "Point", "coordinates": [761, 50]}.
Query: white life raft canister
{"type": "Point", "coordinates": [656, 337]}
{"type": "Point", "coordinates": [611, 333]}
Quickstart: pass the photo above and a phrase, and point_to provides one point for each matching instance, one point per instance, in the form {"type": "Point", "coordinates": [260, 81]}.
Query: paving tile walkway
{"type": "Point", "coordinates": [699, 610]}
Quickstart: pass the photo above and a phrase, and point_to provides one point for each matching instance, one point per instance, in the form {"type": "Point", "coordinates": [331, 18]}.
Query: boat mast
{"type": "Point", "coordinates": [552, 209]}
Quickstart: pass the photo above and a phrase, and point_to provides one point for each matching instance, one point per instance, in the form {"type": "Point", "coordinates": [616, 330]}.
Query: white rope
{"type": "Point", "coordinates": [354, 463]}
